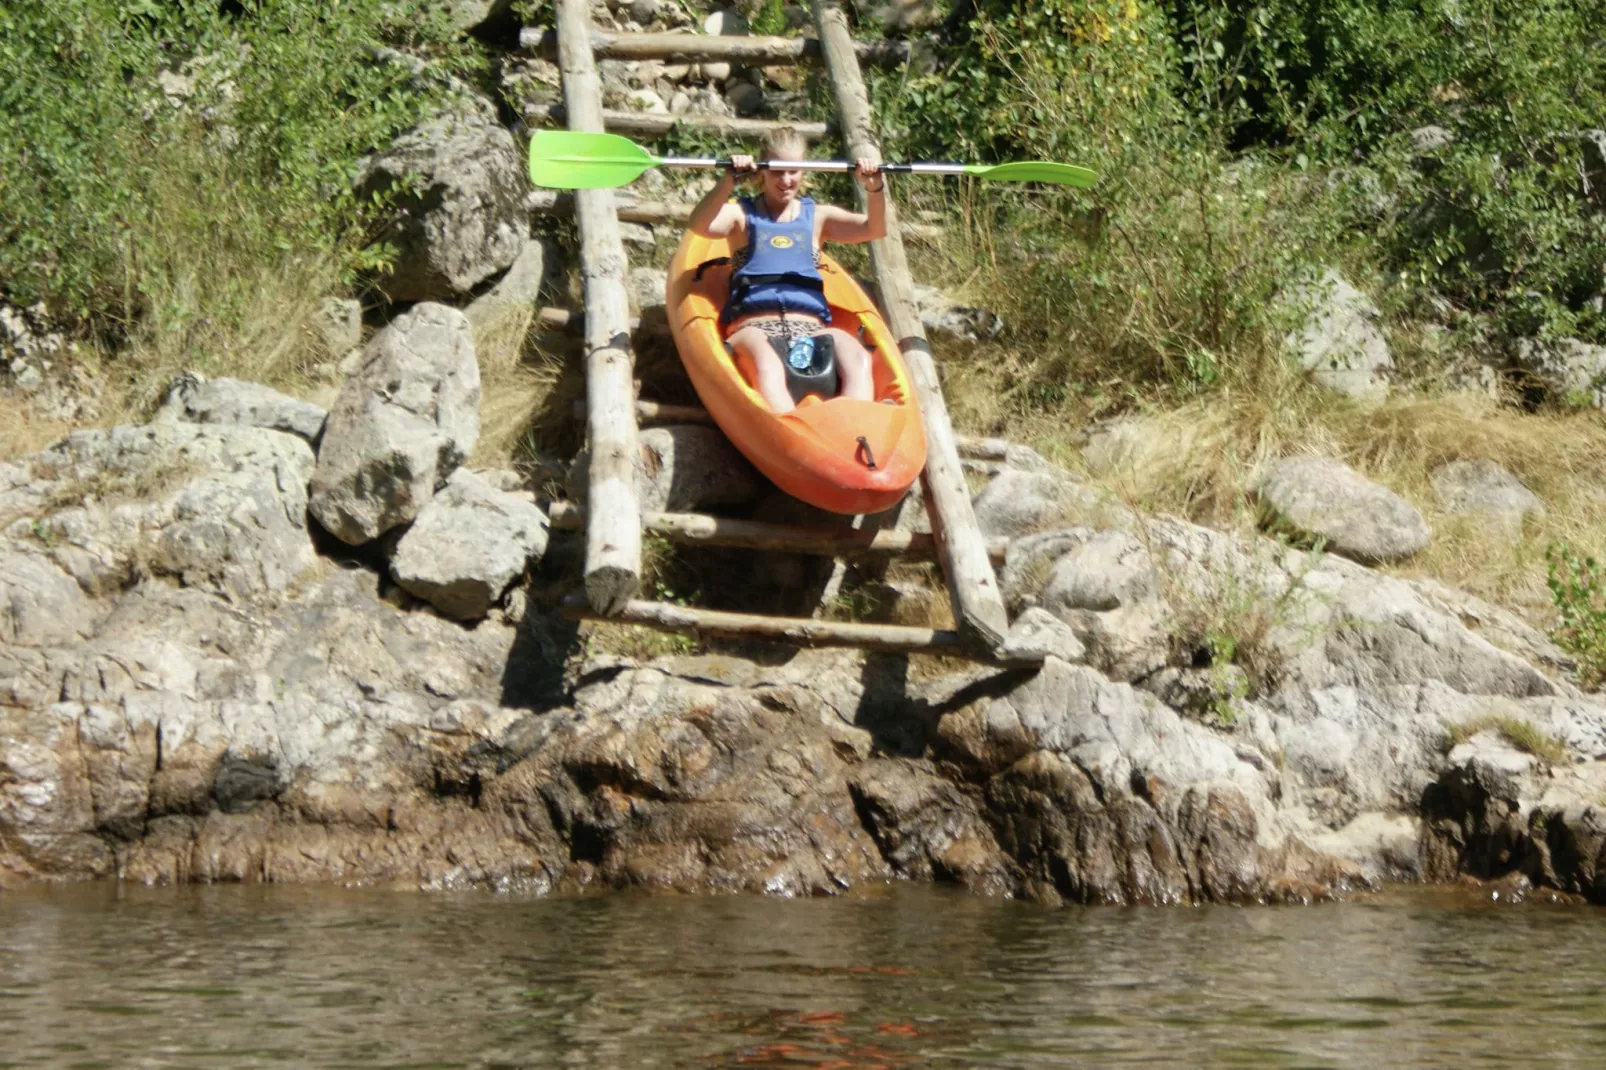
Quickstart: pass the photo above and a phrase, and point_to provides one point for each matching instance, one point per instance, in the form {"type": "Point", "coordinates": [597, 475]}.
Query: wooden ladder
{"type": "Point", "coordinates": [612, 519]}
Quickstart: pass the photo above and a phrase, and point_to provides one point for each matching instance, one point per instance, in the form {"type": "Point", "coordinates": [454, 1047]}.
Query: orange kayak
{"type": "Point", "coordinates": [840, 454]}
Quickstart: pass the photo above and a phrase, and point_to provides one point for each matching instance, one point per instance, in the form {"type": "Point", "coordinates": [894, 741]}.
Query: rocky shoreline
{"type": "Point", "coordinates": [201, 681]}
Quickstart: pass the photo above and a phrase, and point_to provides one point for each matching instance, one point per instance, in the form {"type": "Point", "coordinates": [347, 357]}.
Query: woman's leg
{"type": "Point", "coordinates": [769, 374]}
{"type": "Point", "coordinates": [853, 365]}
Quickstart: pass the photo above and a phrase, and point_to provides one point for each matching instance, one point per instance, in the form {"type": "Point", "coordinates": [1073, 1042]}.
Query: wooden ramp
{"type": "Point", "coordinates": [613, 520]}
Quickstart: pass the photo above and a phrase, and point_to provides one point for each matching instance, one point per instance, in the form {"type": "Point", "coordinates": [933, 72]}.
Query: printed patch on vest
{"type": "Point", "coordinates": [780, 241]}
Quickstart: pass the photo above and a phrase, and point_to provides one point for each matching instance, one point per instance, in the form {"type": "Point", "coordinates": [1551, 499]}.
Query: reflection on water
{"type": "Point", "coordinates": [126, 977]}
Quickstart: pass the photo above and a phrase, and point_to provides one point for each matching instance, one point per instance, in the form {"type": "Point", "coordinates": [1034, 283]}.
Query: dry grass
{"type": "Point", "coordinates": [1519, 733]}
{"type": "Point", "coordinates": [1197, 458]}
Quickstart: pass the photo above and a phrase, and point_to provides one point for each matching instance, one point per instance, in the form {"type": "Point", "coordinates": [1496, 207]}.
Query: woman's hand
{"type": "Point", "coordinates": [743, 166]}
{"type": "Point", "coordinates": [864, 170]}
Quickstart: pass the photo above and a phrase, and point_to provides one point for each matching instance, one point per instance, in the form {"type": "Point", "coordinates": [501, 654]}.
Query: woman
{"type": "Point", "coordinates": [777, 294]}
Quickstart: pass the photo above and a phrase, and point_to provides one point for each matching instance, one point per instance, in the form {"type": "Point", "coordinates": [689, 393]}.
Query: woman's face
{"type": "Point", "coordinates": [781, 188]}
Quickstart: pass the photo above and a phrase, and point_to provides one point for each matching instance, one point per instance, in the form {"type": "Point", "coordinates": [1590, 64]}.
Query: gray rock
{"type": "Point", "coordinates": [517, 293]}
{"type": "Point", "coordinates": [222, 509]}
{"type": "Point", "coordinates": [1321, 498]}
{"type": "Point", "coordinates": [714, 71]}
{"type": "Point", "coordinates": [726, 22]}
{"type": "Point", "coordinates": [1426, 140]}
{"type": "Point", "coordinates": [646, 101]}
{"type": "Point", "coordinates": [681, 468]}
{"type": "Point", "coordinates": [1029, 560]}
{"type": "Point", "coordinates": [1340, 343]}
{"type": "Point", "coordinates": [1571, 371]}
{"type": "Point", "coordinates": [467, 545]}
{"type": "Point", "coordinates": [400, 426]}
{"type": "Point", "coordinates": [744, 98]}
{"type": "Point", "coordinates": [463, 219]}
{"type": "Point", "coordinates": [338, 326]}
{"type": "Point", "coordinates": [1116, 447]}
{"type": "Point", "coordinates": [1037, 634]}
{"type": "Point", "coordinates": [641, 235]}
{"type": "Point", "coordinates": [1017, 502]}
{"type": "Point", "coordinates": [945, 318]}
{"type": "Point", "coordinates": [40, 605]}
{"type": "Point", "coordinates": [910, 16]}
{"type": "Point", "coordinates": [1484, 489]}
{"type": "Point", "coordinates": [648, 287]}
{"type": "Point", "coordinates": [1108, 590]}
{"type": "Point", "coordinates": [232, 402]}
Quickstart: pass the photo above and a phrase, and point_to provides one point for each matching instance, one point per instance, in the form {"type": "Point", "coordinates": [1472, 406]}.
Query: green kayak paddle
{"type": "Point", "coordinates": [571, 159]}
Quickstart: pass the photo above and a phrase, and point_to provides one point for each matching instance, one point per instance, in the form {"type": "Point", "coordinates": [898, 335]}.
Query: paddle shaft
{"type": "Point", "coordinates": [817, 165]}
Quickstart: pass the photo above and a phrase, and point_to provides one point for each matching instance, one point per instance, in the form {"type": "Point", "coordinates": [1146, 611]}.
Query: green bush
{"type": "Point", "coordinates": [1510, 216]}
{"type": "Point", "coordinates": [1237, 145]}
{"type": "Point", "coordinates": [1577, 590]}
{"type": "Point", "coordinates": [1165, 271]}
{"type": "Point", "coordinates": [133, 204]}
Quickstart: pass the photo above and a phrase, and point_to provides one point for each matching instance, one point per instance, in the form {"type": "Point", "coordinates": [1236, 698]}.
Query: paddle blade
{"type": "Point", "coordinates": [1066, 174]}
{"type": "Point", "coordinates": [571, 159]}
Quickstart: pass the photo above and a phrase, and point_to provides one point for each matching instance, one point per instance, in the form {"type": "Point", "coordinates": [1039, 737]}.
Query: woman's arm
{"type": "Point", "coordinates": [715, 216]}
{"type": "Point", "coordinates": [839, 224]}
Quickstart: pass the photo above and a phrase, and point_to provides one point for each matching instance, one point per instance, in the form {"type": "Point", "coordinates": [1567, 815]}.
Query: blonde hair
{"type": "Point", "coordinates": [783, 143]}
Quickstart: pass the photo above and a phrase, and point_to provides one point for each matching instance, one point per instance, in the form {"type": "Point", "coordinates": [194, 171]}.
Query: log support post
{"type": "Point", "coordinates": [977, 603]}
{"type": "Point", "coordinates": [613, 515]}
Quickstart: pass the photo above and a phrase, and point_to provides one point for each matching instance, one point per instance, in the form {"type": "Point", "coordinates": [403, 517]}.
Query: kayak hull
{"type": "Point", "coordinates": [839, 454]}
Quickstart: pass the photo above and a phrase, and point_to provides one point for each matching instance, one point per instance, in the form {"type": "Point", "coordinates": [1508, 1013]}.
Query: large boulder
{"type": "Point", "coordinates": [680, 468]}
{"type": "Point", "coordinates": [235, 403]}
{"type": "Point", "coordinates": [1020, 501]}
{"type": "Point", "coordinates": [219, 508]}
{"type": "Point", "coordinates": [1339, 342]}
{"type": "Point", "coordinates": [1566, 369]}
{"type": "Point", "coordinates": [462, 215]}
{"type": "Point", "coordinates": [400, 427]}
{"type": "Point", "coordinates": [469, 543]}
{"type": "Point", "coordinates": [1486, 491]}
{"type": "Point", "coordinates": [515, 296]}
{"type": "Point", "coordinates": [1321, 498]}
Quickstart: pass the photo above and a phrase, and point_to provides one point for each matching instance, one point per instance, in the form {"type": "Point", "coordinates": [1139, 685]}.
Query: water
{"type": "Point", "coordinates": [103, 976]}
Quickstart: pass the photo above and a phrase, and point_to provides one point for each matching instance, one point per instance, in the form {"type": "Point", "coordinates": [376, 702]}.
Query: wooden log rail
{"type": "Point", "coordinates": [977, 603]}
{"type": "Point", "coordinates": [749, 51]}
{"type": "Point", "coordinates": [697, 529]}
{"type": "Point", "coordinates": [613, 523]}
{"type": "Point", "coordinates": [634, 210]}
{"type": "Point", "coordinates": [647, 124]}
{"type": "Point", "coordinates": [796, 631]}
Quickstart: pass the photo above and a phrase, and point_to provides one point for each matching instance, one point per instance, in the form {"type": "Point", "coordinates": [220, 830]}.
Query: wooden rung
{"type": "Point", "coordinates": [647, 124]}
{"type": "Point", "coordinates": [798, 631]}
{"type": "Point", "coordinates": [634, 210]}
{"type": "Point", "coordinates": [750, 51]}
{"type": "Point", "coordinates": [658, 412]}
{"type": "Point", "coordinates": [630, 207]}
{"type": "Point", "coordinates": [697, 529]}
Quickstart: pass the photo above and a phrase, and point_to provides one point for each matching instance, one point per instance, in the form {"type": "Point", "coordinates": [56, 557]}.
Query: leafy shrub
{"type": "Point", "coordinates": [1509, 216]}
{"type": "Point", "coordinates": [153, 148]}
{"type": "Point", "coordinates": [1580, 599]}
{"type": "Point", "coordinates": [1162, 273]}
{"type": "Point", "coordinates": [1238, 144]}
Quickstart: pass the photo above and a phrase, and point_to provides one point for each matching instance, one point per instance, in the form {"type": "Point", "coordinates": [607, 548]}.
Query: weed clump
{"type": "Point", "coordinates": [1580, 601]}
{"type": "Point", "coordinates": [1514, 730]}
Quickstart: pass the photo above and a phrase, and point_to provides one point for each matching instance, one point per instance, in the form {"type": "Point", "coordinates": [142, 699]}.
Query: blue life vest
{"type": "Point", "coordinates": [780, 274]}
